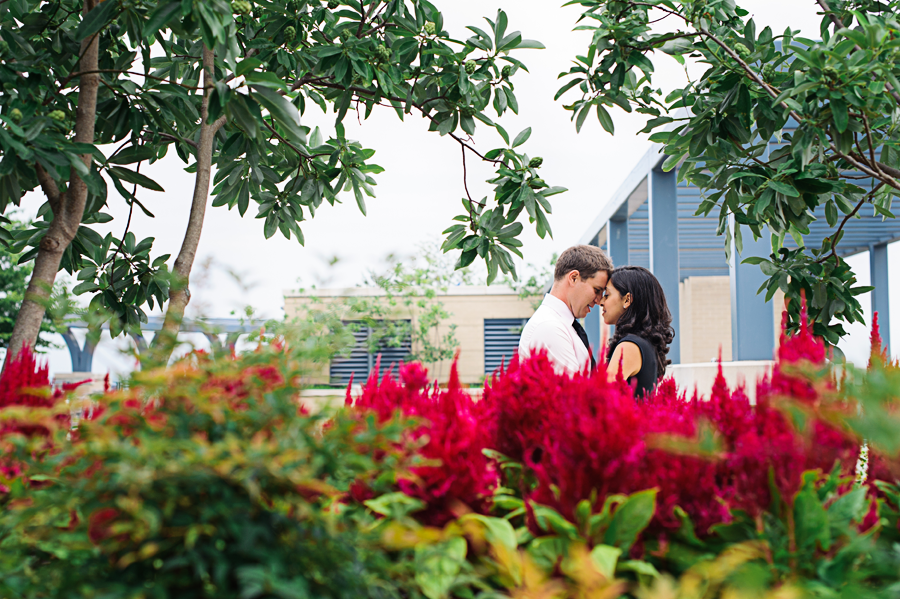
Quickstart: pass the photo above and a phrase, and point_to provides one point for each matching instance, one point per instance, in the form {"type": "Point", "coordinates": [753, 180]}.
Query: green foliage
{"type": "Point", "coordinates": [829, 108]}
{"type": "Point", "coordinates": [205, 479]}
{"type": "Point", "coordinates": [273, 61]}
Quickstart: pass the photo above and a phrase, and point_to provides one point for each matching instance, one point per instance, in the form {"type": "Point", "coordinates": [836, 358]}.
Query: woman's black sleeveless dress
{"type": "Point", "coordinates": [645, 379]}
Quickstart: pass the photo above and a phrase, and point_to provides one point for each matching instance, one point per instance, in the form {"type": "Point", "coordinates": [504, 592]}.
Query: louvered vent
{"type": "Point", "coordinates": [361, 362]}
{"type": "Point", "coordinates": [501, 340]}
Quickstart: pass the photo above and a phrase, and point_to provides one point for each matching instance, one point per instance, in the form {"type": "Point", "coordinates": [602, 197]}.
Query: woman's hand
{"type": "Point", "coordinates": [628, 355]}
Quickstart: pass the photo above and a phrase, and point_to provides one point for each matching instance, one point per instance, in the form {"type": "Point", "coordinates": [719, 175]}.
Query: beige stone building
{"type": "Point", "coordinates": [486, 322]}
{"type": "Point", "coordinates": [705, 319]}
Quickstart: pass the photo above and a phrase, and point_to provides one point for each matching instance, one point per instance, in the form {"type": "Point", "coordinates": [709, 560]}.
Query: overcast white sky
{"type": "Point", "coordinates": [421, 189]}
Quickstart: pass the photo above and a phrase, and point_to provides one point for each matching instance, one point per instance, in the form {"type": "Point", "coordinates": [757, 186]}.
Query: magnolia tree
{"type": "Point", "coordinates": [832, 102]}
{"type": "Point", "coordinates": [223, 86]}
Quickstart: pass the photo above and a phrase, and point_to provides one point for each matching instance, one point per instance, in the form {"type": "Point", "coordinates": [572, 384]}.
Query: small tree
{"type": "Point", "coordinates": [840, 96]}
{"type": "Point", "coordinates": [225, 85]}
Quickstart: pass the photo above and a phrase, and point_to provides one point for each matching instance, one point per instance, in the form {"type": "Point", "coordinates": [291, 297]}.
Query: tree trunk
{"type": "Point", "coordinates": [179, 293]}
{"type": "Point", "coordinates": [68, 207]}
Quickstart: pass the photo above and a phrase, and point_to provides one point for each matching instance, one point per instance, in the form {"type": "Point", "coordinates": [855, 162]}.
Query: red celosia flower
{"type": "Point", "coordinates": [100, 524]}
{"type": "Point", "coordinates": [24, 374]}
{"type": "Point", "coordinates": [878, 353]}
{"type": "Point", "coordinates": [453, 438]}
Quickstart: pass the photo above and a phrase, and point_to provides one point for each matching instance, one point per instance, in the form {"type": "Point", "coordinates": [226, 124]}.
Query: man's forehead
{"type": "Point", "coordinates": [599, 279]}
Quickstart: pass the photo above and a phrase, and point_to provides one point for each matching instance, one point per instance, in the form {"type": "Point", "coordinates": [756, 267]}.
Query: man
{"type": "Point", "coordinates": [579, 280]}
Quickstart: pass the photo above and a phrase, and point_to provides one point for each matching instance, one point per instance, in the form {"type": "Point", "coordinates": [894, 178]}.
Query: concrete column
{"type": "Point", "coordinates": [617, 239]}
{"type": "Point", "coordinates": [664, 245]}
{"type": "Point", "coordinates": [592, 323]}
{"type": "Point", "coordinates": [82, 357]}
{"type": "Point", "coordinates": [752, 318]}
{"type": "Point", "coordinates": [880, 275]}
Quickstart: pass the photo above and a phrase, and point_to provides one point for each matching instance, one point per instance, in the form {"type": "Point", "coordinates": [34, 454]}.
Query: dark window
{"type": "Point", "coordinates": [361, 360]}
{"type": "Point", "coordinates": [501, 340]}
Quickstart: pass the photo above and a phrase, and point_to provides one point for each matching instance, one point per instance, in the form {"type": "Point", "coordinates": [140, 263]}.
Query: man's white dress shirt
{"type": "Point", "coordinates": [551, 328]}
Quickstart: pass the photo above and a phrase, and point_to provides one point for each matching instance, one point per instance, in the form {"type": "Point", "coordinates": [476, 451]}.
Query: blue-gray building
{"type": "Point", "coordinates": [650, 222]}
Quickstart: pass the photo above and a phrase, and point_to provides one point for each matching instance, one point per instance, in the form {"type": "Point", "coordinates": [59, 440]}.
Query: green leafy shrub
{"type": "Point", "coordinates": [208, 478]}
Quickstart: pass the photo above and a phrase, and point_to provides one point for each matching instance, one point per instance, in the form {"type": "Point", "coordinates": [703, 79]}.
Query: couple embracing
{"type": "Point", "coordinates": [629, 297]}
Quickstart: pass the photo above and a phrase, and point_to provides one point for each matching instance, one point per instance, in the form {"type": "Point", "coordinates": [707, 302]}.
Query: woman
{"type": "Point", "coordinates": [634, 301]}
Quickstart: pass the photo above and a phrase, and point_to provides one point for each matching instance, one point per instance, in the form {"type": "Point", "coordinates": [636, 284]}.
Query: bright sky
{"type": "Point", "coordinates": [420, 190]}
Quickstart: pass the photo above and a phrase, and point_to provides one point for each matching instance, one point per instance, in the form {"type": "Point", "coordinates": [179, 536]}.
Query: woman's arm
{"type": "Point", "coordinates": [629, 355]}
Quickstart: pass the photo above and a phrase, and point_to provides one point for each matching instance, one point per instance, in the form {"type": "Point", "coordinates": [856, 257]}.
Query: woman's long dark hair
{"type": "Point", "coordinates": [648, 315]}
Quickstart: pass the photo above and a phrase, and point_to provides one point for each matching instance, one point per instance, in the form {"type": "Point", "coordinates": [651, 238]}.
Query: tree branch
{"type": "Point", "coordinates": [837, 233]}
{"type": "Point", "coordinates": [48, 185]}
{"type": "Point", "coordinates": [179, 293]}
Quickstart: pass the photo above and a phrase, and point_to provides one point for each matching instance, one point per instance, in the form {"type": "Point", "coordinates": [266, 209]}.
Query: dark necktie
{"type": "Point", "coordinates": [582, 334]}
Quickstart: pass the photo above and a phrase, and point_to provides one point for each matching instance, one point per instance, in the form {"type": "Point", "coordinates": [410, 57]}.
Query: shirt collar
{"type": "Point", "coordinates": [559, 307]}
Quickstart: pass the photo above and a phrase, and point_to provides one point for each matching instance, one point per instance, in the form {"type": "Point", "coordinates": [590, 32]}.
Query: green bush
{"type": "Point", "coordinates": [204, 479]}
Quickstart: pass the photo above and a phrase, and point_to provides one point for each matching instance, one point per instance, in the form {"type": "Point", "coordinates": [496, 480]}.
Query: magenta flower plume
{"type": "Point", "coordinates": [456, 476]}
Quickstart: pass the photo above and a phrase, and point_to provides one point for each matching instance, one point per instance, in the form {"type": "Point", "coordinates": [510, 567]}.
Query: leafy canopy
{"type": "Point", "coordinates": [831, 107]}
{"type": "Point", "coordinates": [273, 60]}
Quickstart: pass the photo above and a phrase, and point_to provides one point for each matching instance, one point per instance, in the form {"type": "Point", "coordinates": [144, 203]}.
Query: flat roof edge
{"type": "Point", "coordinates": [643, 168]}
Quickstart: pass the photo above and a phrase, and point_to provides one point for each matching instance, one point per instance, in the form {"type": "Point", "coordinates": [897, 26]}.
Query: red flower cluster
{"type": "Point", "coordinates": [583, 436]}
{"type": "Point", "coordinates": [21, 378]}
{"type": "Point", "coordinates": [881, 467]}
{"type": "Point", "coordinates": [458, 476]}
{"type": "Point", "coordinates": [24, 382]}
{"type": "Point", "coordinates": [771, 443]}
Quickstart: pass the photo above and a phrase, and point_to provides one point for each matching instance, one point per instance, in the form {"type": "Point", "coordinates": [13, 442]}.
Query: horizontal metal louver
{"type": "Point", "coordinates": [501, 340]}
{"type": "Point", "coordinates": [361, 362]}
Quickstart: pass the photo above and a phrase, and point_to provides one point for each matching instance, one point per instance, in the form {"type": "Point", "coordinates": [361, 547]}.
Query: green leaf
{"type": "Point", "coordinates": [95, 20]}
{"type": "Point", "coordinates": [522, 137]}
{"type": "Point", "coordinates": [134, 177]}
{"type": "Point", "coordinates": [134, 153]}
{"type": "Point", "coordinates": [582, 116]}
{"type": "Point", "coordinates": [605, 120]}
{"type": "Point", "coordinates": [551, 521]}
{"type": "Point", "coordinates": [267, 79]}
{"type": "Point", "coordinates": [530, 44]}
{"type": "Point", "coordinates": [437, 567]}
{"type": "Point", "coordinates": [630, 519]}
{"type": "Point", "coordinates": [605, 558]}
{"type": "Point", "coordinates": [395, 506]}
{"type": "Point", "coordinates": [569, 85]}
{"type": "Point", "coordinates": [161, 15]}
{"type": "Point", "coordinates": [497, 530]}
{"type": "Point", "coordinates": [784, 188]}
{"type": "Point", "coordinates": [283, 111]}
{"type": "Point", "coordinates": [810, 519]}
{"type": "Point", "coordinates": [850, 507]}
{"type": "Point", "coordinates": [753, 260]}
{"type": "Point", "coordinates": [360, 201]}
{"type": "Point", "coordinates": [840, 115]}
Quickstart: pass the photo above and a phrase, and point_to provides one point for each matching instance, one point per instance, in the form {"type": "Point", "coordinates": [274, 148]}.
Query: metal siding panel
{"type": "Point", "coordinates": [358, 362]}
{"type": "Point", "coordinates": [501, 340]}
{"type": "Point", "coordinates": [700, 250]}
{"type": "Point", "coordinates": [639, 237]}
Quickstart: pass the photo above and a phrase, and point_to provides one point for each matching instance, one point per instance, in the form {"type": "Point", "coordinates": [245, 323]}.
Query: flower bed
{"type": "Point", "coordinates": [209, 477]}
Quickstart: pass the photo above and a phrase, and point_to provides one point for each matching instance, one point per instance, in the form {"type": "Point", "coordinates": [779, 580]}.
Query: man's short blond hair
{"type": "Point", "coordinates": [588, 260]}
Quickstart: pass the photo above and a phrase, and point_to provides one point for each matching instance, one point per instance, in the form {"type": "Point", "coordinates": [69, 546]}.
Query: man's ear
{"type": "Point", "coordinates": [572, 276]}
